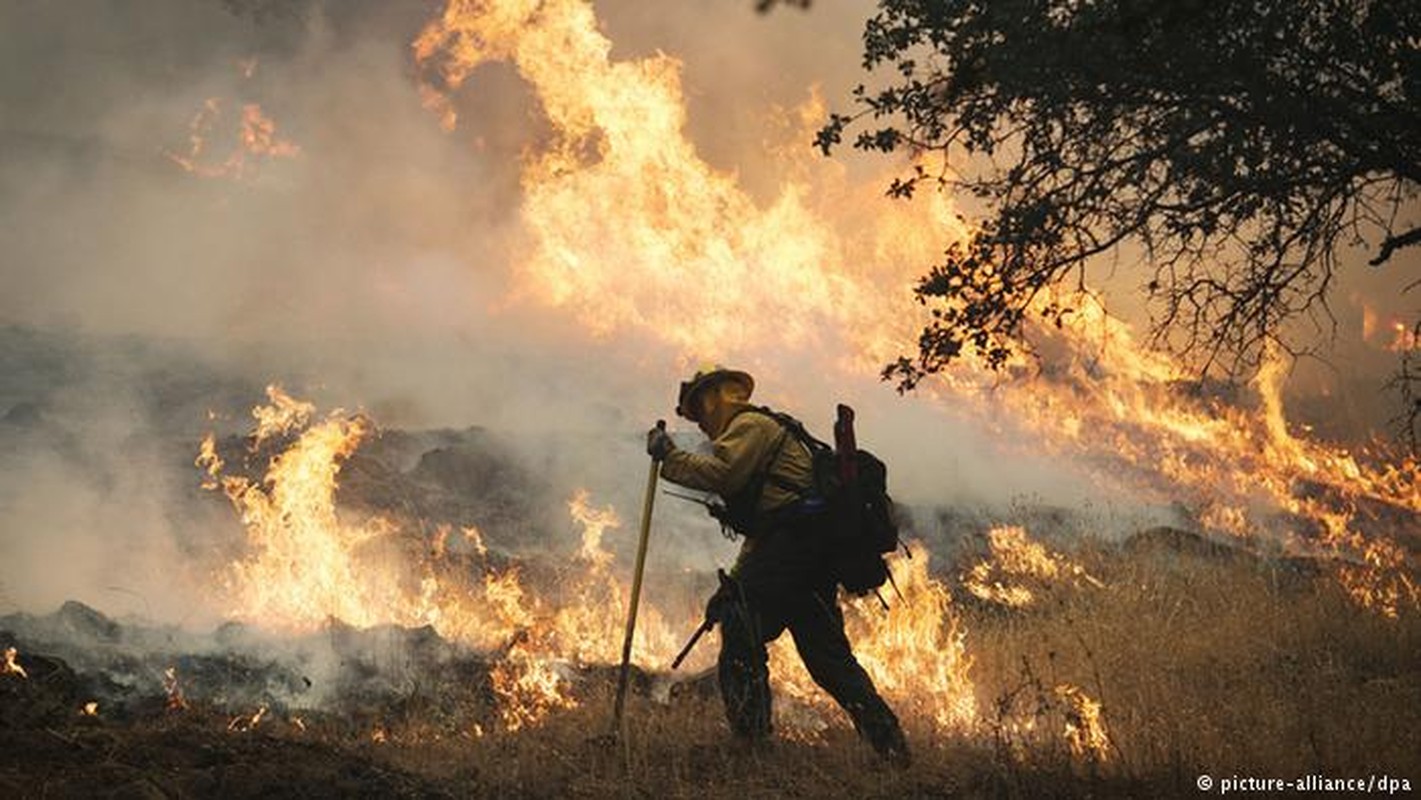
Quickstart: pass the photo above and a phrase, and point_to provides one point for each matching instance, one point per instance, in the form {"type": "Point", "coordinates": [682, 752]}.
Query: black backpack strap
{"type": "Point", "coordinates": [811, 445]}
{"type": "Point", "coordinates": [743, 508]}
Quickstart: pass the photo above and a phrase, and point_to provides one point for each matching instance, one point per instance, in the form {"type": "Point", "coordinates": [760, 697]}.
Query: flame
{"type": "Point", "coordinates": [631, 231]}
{"type": "Point", "coordinates": [174, 690]}
{"type": "Point", "coordinates": [90, 709]}
{"type": "Point", "coordinates": [10, 666]}
{"type": "Point", "coordinates": [440, 546]}
{"type": "Point", "coordinates": [1399, 337]}
{"type": "Point", "coordinates": [529, 687]}
{"type": "Point", "coordinates": [1015, 557]}
{"type": "Point", "coordinates": [1403, 338]}
{"type": "Point", "coordinates": [307, 564]}
{"type": "Point", "coordinates": [255, 142]}
{"type": "Point", "coordinates": [594, 523]}
{"type": "Point", "coordinates": [1085, 727]}
{"type": "Point", "coordinates": [1242, 469]}
{"type": "Point", "coordinates": [476, 540]}
{"type": "Point", "coordinates": [246, 722]}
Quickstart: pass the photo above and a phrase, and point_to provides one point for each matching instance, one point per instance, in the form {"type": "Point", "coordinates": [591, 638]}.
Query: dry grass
{"type": "Point", "coordinates": [1222, 665]}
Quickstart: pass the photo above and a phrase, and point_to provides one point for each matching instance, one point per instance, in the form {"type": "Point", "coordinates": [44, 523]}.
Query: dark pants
{"type": "Point", "coordinates": [786, 583]}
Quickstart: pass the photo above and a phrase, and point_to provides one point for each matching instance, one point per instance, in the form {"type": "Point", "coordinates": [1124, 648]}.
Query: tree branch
{"type": "Point", "coordinates": [1393, 243]}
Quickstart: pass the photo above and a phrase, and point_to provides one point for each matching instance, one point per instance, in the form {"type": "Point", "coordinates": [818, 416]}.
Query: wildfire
{"type": "Point", "coordinates": [1403, 338]}
{"type": "Point", "coordinates": [631, 228]}
{"type": "Point", "coordinates": [12, 667]}
{"type": "Point", "coordinates": [677, 250]}
{"type": "Point", "coordinates": [1240, 467]}
{"type": "Point", "coordinates": [917, 651]}
{"type": "Point", "coordinates": [476, 540]}
{"type": "Point", "coordinates": [308, 564]}
{"type": "Point", "coordinates": [1016, 558]}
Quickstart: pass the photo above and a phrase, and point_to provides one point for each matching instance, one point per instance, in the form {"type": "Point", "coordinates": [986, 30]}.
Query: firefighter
{"type": "Point", "coordinates": [783, 578]}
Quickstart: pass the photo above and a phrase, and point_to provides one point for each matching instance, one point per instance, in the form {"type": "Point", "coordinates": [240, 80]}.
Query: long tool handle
{"type": "Point", "coordinates": [691, 643]}
{"type": "Point", "coordinates": [636, 591]}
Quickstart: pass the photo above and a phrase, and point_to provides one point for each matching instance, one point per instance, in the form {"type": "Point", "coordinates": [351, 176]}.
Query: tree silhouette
{"type": "Point", "coordinates": [1239, 144]}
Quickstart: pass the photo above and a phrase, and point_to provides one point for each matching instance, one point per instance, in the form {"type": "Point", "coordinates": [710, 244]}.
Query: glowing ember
{"type": "Point", "coordinates": [12, 667]}
{"type": "Point", "coordinates": [1403, 338]}
{"type": "Point", "coordinates": [246, 722]}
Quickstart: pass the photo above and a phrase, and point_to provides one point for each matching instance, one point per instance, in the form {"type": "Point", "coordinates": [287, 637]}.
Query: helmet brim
{"type": "Point", "coordinates": [687, 405]}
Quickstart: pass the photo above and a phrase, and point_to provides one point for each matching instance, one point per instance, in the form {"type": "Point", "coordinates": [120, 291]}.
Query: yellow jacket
{"type": "Point", "coordinates": [749, 442]}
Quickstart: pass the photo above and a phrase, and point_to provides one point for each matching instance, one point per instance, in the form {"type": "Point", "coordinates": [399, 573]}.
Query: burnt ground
{"type": "Point", "coordinates": [191, 758]}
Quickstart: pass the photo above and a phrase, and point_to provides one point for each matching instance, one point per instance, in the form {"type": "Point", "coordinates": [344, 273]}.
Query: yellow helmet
{"type": "Point", "coordinates": [707, 376]}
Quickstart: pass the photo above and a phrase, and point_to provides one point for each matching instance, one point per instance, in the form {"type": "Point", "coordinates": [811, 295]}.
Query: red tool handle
{"type": "Point", "coordinates": [846, 445]}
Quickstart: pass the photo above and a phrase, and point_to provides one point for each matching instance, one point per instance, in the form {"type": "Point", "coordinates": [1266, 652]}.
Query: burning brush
{"type": "Point", "coordinates": [11, 666]}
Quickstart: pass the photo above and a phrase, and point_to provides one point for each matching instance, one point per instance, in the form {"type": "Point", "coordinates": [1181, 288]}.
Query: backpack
{"type": "Point", "coordinates": [862, 524]}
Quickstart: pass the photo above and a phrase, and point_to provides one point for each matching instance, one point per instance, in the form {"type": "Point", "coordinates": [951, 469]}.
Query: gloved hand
{"type": "Point", "coordinates": [658, 443]}
{"type": "Point", "coordinates": [722, 604]}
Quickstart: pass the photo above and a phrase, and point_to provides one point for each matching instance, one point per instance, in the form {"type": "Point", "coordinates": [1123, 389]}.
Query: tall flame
{"type": "Point", "coordinates": [632, 229]}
